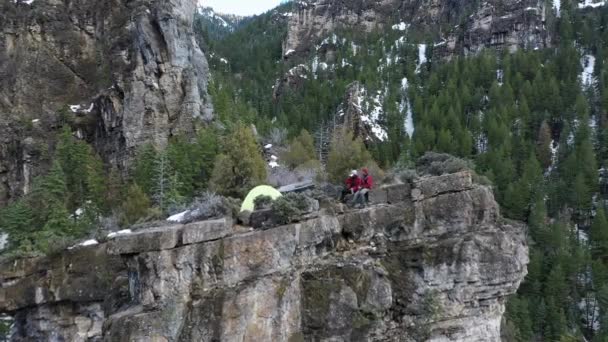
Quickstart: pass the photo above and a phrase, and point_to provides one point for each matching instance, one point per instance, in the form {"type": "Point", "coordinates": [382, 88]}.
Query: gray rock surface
{"type": "Point", "coordinates": [132, 70]}
{"type": "Point", "coordinates": [438, 267]}
{"type": "Point", "coordinates": [463, 26]}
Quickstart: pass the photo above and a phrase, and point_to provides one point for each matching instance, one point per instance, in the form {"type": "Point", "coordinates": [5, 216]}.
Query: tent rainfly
{"type": "Point", "coordinates": [262, 190]}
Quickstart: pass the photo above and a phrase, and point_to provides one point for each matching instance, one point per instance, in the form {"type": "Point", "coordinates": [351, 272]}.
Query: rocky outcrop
{"type": "Point", "coordinates": [430, 261]}
{"type": "Point", "coordinates": [122, 73]}
{"type": "Point", "coordinates": [361, 113]}
{"type": "Point", "coordinates": [462, 26]}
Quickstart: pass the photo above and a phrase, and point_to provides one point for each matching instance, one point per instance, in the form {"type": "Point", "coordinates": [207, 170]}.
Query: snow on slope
{"type": "Point", "coordinates": [421, 56]}
{"type": "Point", "coordinates": [557, 4]}
{"type": "Point", "coordinates": [588, 63]}
{"type": "Point", "coordinates": [591, 4]}
{"type": "Point", "coordinates": [407, 105]}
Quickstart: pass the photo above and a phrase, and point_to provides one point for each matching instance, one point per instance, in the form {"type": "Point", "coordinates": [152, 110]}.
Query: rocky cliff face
{"type": "Point", "coordinates": [461, 26]}
{"type": "Point", "coordinates": [430, 261]}
{"type": "Point", "coordinates": [123, 73]}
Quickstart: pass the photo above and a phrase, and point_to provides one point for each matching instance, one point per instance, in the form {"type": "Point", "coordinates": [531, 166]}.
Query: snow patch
{"type": "Point", "coordinates": [557, 4]}
{"type": "Point", "coordinates": [401, 26]}
{"type": "Point", "coordinates": [500, 76]}
{"type": "Point", "coordinates": [119, 233]}
{"type": "Point", "coordinates": [421, 57]}
{"type": "Point", "coordinates": [3, 241]}
{"type": "Point", "coordinates": [588, 63]}
{"type": "Point", "coordinates": [273, 164]}
{"type": "Point", "coordinates": [267, 147]}
{"type": "Point", "coordinates": [406, 104]}
{"type": "Point", "coordinates": [590, 4]}
{"type": "Point", "coordinates": [178, 217]}
{"type": "Point", "coordinates": [289, 52]}
{"type": "Point", "coordinates": [87, 243]}
{"type": "Point", "coordinates": [375, 110]}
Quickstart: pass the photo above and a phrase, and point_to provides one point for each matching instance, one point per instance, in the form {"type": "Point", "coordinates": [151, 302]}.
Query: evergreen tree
{"type": "Point", "coordinates": [240, 167]}
{"type": "Point", "coordinates": [300, 151]}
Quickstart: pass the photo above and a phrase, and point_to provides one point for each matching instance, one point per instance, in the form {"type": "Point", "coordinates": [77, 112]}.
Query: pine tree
{"type": "Point", "coordinates": [300, 151]}
{"type": "Point", "coordinates": [240, 167]}
{"type": "Point", "coordinates": [143, 172]}
{"type": "Point", "coordinates": [166, 184]}
{"type": "Point", "coordinates": [136, 207]}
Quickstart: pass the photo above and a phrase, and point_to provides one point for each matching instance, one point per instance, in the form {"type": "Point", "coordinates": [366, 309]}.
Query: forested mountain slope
{"type": "Point", "coordinates": [519, 87]}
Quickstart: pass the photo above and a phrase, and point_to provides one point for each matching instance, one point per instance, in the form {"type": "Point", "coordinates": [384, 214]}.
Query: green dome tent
{"type": "Point", "coordinates": [262, 190]}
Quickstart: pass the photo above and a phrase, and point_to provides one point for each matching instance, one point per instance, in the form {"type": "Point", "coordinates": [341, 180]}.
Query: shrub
{"type": "Point", "coordinates": [346, 154]}
{"type": "Point", "coordinates": [262, 202]}
{"type": "Point", "coordinates": [285, 211]}
{"type": "Point", "coordinates": [136, 206]}
{"type": "Point", "coordinates": [437, 164]}
{"type": "Point", "coordinates": [292, 206]}
{"type": "Point", "coordinates": [408, 176]}
{"type": "Point", "coordinates": [210, 206]}
{"type": "Point", "coordinates": [301, 150]}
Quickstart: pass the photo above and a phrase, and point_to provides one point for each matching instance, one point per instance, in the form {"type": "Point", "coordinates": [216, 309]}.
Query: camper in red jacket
{"type": "Point", "coordinates": [367, 183]}
{"type": "Point", "coordinates": [353, 185]}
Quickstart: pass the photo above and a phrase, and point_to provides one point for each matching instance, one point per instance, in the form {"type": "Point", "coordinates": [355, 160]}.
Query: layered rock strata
{"type": "Point", "coordinates": [429, 261]}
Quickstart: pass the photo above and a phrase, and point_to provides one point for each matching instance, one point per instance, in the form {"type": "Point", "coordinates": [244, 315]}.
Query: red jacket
{"type": "Point", "coordinates": [367, 182]}
{"type": "Point", "coordinates": [353, 183]}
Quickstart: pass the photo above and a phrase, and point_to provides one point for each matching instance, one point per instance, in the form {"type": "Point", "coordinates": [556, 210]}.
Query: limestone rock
{"type": "Point", "coordinates": [501, 24]}
{"type": "Point", "coordinates": [359, 275]}
{"type": "Point", "coordinates": [123, 73]}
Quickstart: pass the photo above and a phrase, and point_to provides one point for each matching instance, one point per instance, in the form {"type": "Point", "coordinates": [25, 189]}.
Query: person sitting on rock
{"type": "Point", "coordinates": [367, 183]}
{"type": "Point", "coordinates": [353, 184]}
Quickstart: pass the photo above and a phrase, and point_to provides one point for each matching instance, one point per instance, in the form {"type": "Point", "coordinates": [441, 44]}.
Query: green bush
{"type": "Point", "coordinates": [262, 202]}
{"type": "Point", "coordinates": [285, 211]}
{"type": "Point", "coordinates": [301, 151]}
{"type": "Point", "coordinates": [437, 164]}
{"type": "Point", "coordinates": [241, 167]}
{"type": "Point", "coordinates": [136, 206]}
{"type": "Point", "coordinates": [346, 153]}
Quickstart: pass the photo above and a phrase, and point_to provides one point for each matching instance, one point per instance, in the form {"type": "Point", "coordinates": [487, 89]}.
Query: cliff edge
{"type": "Point", "coordinates": [430, 261]}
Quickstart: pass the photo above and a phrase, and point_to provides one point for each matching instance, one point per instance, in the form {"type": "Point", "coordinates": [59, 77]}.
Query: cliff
{"type": "Point", "coordinates": [121, 73]}
{"type": "Point", "coordinates": [458, 26]}
{"type": "Point", "coordinates": [430, 261]}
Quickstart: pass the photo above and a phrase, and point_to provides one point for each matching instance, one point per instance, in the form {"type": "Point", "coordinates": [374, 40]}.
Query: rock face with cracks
{"type": "Point", "coordinates": [120, 73]}
{"type": "Point", "coordinates": [462, 26]}
{"type": "Point", "coordinates": [428, 261]}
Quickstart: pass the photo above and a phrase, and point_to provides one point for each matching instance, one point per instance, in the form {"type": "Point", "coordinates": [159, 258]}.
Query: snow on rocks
{"type": "Point", "coordinates": [178, 218]}
{"type": "Point", "coordinates": [406, 105]}
{"type": "Point", "coordinates": [119, 233]}
{"type": "Point", "coordinates": [375, 110]}
{"type": "Point", "coordinates": [401, 26]}
{"type": "Point", "coordinates": [421, 57]}
{"type": "Point", "coordinates": [590, 4]}
{"type": "Point", "coordinates": [86, 243]}
{"type": "Point", "coordinates": [289, 52]}
{"type": "Point", "coordinates": [78, 108]}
